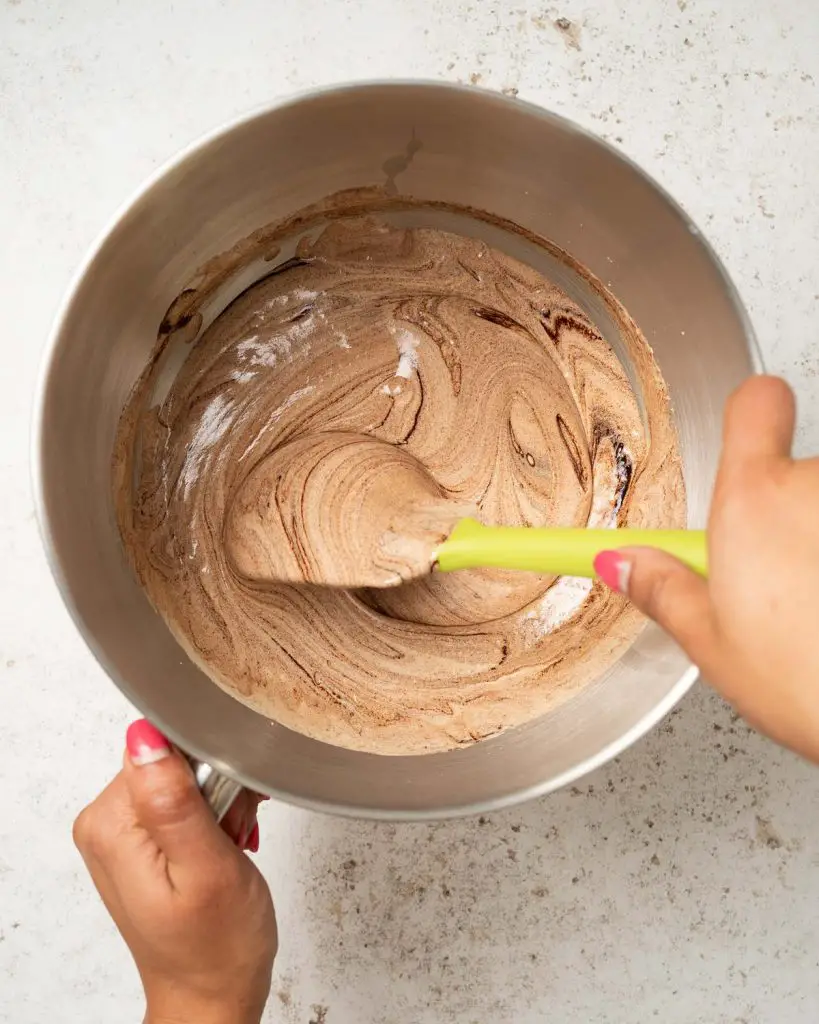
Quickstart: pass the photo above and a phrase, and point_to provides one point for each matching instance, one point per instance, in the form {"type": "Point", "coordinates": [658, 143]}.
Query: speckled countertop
{"type": "Point", "coordinates": [679, 883]}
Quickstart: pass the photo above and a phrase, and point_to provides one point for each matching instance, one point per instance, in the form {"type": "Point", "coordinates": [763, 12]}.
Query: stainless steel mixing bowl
{"type": "Point", "coordinates": [433, 142]}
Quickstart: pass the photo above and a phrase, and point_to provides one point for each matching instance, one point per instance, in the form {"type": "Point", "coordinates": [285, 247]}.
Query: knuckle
{"type": "Point", "coordinates": [83, 829]}
{"type": "Point", "coordinates": [659, 603]}
{"type": "Point", "coordinates": [738, 488]}
{"type": "Point", "coordinates": [653, 593]}
{"type": "Point", "coordinates": [741, 487]}
{"type": "Point", "coordinates": [88, 831]}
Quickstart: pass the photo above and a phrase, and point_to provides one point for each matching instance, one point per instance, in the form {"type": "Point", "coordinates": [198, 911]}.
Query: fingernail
{"type": "Point", "coordinates": [614, 570]}
{"type": "Point", "coordinates": [252, 843]}
{"type": "Point", "coordinates": [145, 743]}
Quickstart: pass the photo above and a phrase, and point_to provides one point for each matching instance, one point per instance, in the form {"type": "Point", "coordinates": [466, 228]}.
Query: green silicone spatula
{"type": "Point", "coordinates": [360, 513]}
{"type": "Point", "coordinates": [558, 552]}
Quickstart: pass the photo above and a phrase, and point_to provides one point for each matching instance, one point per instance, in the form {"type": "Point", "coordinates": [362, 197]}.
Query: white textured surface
{"type": "Point", "coordinates": [679, 884]}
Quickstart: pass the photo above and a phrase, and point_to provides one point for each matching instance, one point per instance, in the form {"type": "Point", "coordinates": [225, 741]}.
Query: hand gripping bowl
{"type": "Point", "coordinates": [439, 144]}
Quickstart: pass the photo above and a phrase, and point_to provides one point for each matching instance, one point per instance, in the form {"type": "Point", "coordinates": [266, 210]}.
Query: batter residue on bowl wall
{"type": "Point", "coordinates": [477, 367]}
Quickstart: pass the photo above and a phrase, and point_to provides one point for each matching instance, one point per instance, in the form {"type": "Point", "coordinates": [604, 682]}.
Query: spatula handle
{"type": "Point", "coordinates": [218, 790]}
{"type": "Point", "coordinates": [561, 552]}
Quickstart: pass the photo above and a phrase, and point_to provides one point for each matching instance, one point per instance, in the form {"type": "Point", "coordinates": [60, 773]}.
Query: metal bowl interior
{"type": "Point", "coordinates": [476, 149]}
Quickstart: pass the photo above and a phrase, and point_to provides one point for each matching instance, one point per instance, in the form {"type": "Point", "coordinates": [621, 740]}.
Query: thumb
{"type": "Point", "coordinates": [668, 592]}
{"type": "Point", "coordinates": [166, 800]}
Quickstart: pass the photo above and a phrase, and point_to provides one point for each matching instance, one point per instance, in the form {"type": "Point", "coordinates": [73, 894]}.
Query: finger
{"type": "Point", "coordinates": [108, 826]}
{"type": "Point", "coordinates": [105, 884]}
{"type": "Point", "coordinates": [759, 421]}
{"type": "Point", "coordinates": [107, 835]}
{"type": "Point", "coordinates": [166, 800]}
{"type": "Point", "coordinates": [240, 820]}
{"type": "Point", "coordinates": [668, 592]}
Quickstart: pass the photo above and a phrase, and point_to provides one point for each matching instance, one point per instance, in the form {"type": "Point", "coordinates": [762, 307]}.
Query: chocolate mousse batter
{"type": "Point", "coordinates": [494, 393]}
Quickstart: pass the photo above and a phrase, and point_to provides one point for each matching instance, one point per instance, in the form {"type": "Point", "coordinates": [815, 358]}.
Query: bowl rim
{"type": "Point", "coordinates": [195, 146]}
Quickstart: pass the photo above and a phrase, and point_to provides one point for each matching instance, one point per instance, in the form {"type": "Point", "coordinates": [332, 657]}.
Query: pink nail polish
{"type": "Point", "coordinates": [614, 570]}
{"type": "Point", "coordinates": [253, 839]}
{"type": "Point", "coordinates": [145, 743]}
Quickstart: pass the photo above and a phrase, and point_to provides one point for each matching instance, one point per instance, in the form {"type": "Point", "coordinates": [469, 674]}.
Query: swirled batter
{"type": "Point", "coordinates": [478, 372]}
